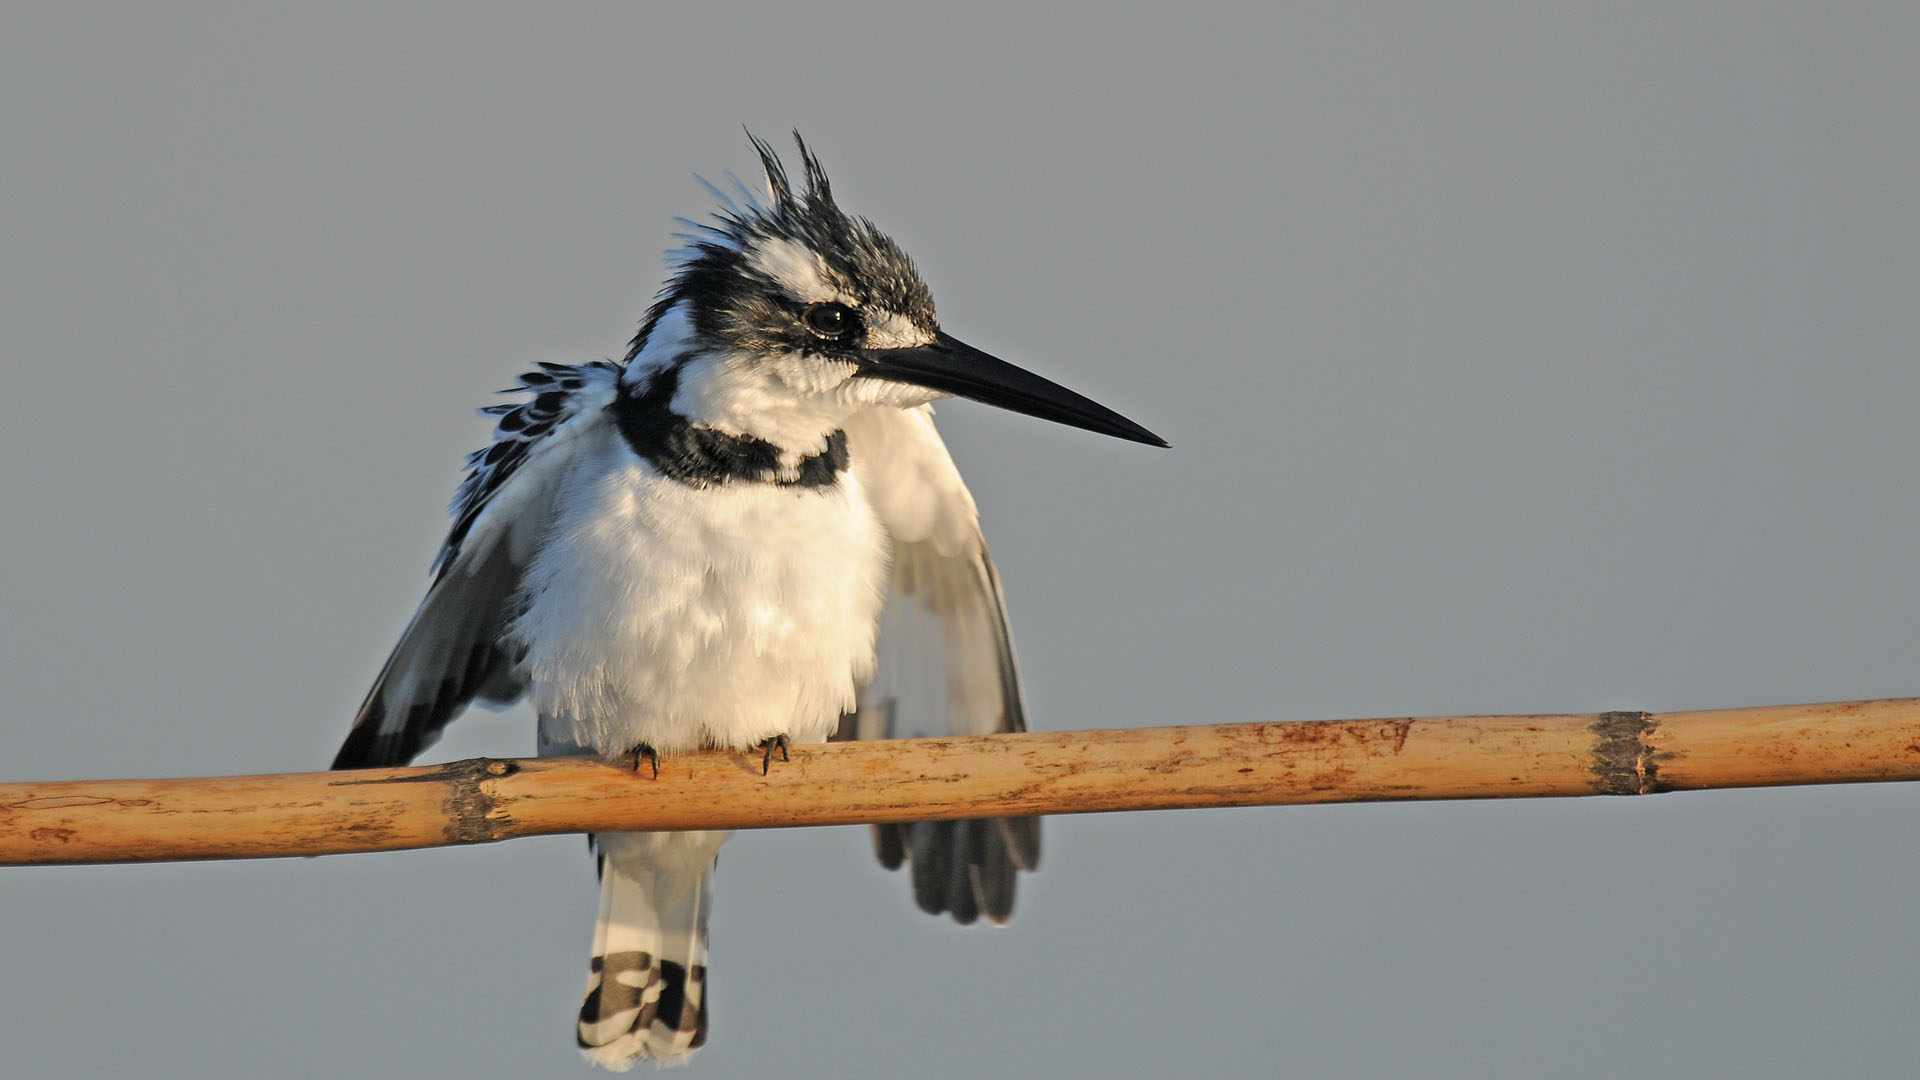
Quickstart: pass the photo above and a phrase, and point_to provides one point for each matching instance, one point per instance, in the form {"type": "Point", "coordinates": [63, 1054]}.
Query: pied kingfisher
{"type": "Point", "coordinates": [699, 546]}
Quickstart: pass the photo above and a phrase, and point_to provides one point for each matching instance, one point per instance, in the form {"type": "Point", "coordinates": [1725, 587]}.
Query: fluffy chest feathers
{"type": "Point", "coordinates": [684, 617]}
{"type": "Point", "coordinates": [691, 548]}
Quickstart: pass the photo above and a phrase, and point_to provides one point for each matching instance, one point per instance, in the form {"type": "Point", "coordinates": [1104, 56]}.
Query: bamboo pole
{"type": "Point", "coordinates": [483, 800]}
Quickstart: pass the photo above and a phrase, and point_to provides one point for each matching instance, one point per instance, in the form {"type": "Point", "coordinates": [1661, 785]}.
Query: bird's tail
{"type": "Point", "coordinates": [647, 986]}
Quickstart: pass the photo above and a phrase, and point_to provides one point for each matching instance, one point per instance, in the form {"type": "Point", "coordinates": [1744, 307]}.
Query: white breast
{"type": "Point", "coordinates": [684, 617]}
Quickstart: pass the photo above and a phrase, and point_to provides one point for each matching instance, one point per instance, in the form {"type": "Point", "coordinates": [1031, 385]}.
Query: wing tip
{"type": "Point", "coordinates": [962, 869]}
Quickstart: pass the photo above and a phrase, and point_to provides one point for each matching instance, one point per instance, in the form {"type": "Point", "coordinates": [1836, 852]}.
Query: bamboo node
{"type": "Point", "coordinates": [1623, 754]}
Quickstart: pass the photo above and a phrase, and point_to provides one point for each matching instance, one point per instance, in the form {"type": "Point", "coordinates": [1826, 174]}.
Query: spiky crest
{"type": "Point", "coordinates": [713, 264]}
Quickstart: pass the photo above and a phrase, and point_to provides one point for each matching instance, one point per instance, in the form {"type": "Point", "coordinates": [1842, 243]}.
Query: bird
{"type": "Point", "coordinates": [744, 535]}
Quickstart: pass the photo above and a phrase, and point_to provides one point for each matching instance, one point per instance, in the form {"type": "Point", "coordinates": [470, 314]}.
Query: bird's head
{"type": "Point", "coordinates": [783, 317]}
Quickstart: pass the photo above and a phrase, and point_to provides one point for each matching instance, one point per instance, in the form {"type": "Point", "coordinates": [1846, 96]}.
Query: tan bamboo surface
{"type": "Point", "coordinates": [483, 799]}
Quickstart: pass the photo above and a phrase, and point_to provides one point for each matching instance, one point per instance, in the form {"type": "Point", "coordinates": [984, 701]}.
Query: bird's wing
{"type": "Point", "coordinates": [946, 664]}
{"type": "Point", "coordinates": [451, 653]}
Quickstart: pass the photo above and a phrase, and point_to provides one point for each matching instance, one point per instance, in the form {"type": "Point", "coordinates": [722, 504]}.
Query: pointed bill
{"type": "Point", "coordinates": [951, 366]}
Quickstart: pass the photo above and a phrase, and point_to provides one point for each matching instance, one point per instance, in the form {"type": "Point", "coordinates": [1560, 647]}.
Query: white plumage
{"type": "Point", "coordinates": [694, 548]}
{"type": "Point", "coordinates": [658, 613]}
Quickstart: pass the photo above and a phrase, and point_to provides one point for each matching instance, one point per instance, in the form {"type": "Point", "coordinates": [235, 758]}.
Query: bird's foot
{"type": "Point", "coordinates": [644, 754]}
{"type": "Point", "coordinates": [778, 742]}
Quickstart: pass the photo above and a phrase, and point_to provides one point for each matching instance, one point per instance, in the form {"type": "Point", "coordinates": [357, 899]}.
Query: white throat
{"type": "Point", "coordinates": [793, 402]}
{"type": "Point", "coordinates": [754, 396]}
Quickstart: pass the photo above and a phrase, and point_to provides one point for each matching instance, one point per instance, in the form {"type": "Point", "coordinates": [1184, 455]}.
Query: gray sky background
{"type": "Point", "coordinates": [1516, 359]}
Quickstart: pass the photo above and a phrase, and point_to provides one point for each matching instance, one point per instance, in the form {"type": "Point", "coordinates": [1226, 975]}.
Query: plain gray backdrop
{"type": "Point", "coordinates": [1516, 359]}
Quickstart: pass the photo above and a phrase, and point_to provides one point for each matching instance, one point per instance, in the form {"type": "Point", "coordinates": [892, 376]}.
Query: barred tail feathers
{"type": "Point", "coordinates": [646, 997]}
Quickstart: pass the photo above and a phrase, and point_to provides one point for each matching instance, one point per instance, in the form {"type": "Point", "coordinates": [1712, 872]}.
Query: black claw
{"type": "Point", "coordinates": [766, 759]}
{"type": "Point", "coordinates": [645, 753]}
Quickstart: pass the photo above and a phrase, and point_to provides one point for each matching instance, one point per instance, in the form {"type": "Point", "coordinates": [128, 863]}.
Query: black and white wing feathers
{"type": "Point", "coordinates": [946, 663]}
{"type": "Point", "coordinates": [451, 653]}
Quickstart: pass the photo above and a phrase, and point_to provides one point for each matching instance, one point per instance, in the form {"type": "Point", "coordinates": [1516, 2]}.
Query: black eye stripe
{"type": "Point", "coordinates": [834, 322]}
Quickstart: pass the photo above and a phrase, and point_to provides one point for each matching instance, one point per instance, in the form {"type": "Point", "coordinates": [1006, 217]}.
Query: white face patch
{"type": "Point", "coordinates": [796, 269]}
{"type": "Point", "coordinates": [862, 393]}
{"type": "Point", "coordinates": [671, 336]}
{"type": "Point", "coordinates": [812, 376]}
{"type": "Point", "coordinates": [890, 330]}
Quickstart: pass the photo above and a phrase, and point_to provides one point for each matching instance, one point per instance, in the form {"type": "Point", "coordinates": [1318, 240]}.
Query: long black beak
{"type": "Point", "coordinates": [952, 366]}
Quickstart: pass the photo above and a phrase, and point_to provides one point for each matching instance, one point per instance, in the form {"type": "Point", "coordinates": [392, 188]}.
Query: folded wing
{"type": "Point", "coordinates": [451, 654]}
{"type": "Point", "coordinates": [946, 662]}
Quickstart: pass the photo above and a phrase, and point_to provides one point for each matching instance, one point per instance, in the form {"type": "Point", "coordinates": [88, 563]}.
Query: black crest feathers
{"type": "Point", "coordinates": [818, 194]}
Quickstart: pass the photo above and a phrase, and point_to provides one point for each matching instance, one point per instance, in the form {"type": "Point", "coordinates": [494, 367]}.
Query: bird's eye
{"type": "Point", "coordinates": [831, 321]}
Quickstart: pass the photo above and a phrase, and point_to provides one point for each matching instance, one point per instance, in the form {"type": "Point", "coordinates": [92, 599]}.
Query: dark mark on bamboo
{"type": "Point", "coordinates": [1623, 754]}
{"type": "Point", "coordinates": [469, 808]}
